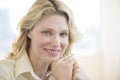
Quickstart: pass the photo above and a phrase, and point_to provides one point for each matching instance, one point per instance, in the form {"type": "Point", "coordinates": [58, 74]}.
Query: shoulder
{"type": "Point", "coordinates": [6, 68]}
{"type": "Point", "coordinates": [6, 63]}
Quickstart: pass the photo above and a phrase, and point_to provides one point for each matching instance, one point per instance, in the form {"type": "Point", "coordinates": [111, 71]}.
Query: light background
{"type": "Point", "coordinates": [87, 18]}
{"type": "Point", "coordinates": [98, 20]}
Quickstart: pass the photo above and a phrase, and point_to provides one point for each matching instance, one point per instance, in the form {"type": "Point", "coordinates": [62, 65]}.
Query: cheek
{"type": "Point", "coordinates": [42, 41]}
{"type": "Point", "coordinates": [65, 44]}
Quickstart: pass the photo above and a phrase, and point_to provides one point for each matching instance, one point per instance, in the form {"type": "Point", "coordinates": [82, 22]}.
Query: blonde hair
{"type": "Point", "coordinates": [38, 10]}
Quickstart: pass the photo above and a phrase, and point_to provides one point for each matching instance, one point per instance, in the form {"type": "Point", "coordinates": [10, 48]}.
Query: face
{"type": "Point", "coordinates": [49, 38]}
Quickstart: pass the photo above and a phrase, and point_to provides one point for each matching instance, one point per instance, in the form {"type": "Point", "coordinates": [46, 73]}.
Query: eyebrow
{"type": "Point", "coordinates": [64, 30]}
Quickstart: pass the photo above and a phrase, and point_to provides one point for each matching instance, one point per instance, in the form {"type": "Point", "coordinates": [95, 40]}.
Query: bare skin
{"type": "Point", "coordinates": [49, 40]}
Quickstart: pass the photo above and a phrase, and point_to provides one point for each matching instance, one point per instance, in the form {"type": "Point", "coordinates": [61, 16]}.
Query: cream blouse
{"type": "Point", "coordinates": [19, 69]}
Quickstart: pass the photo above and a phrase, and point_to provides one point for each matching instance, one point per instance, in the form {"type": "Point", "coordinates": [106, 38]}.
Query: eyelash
{"type": "Point", "coordinates": [64, 34]}
{"type": "Point", "coordinates": [46, 32]}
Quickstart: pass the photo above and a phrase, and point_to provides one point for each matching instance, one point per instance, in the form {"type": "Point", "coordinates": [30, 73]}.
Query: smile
{"type": "Point", "coordinates": [52, 52]}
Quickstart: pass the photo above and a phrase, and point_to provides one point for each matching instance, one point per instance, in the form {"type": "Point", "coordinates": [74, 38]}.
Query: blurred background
{"type": "Point", "coordinates": [99, 22]}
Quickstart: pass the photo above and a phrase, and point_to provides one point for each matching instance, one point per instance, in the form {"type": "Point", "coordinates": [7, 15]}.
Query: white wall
{"type": "Point", "coordinates": [106, 65]}
{"type": "Point", "coordinates": [111, 38]}
{"type": "Point", "coordinates": [93, 66]}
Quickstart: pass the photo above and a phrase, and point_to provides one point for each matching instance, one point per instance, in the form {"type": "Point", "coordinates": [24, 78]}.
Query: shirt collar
{"type": "Point", "coordinates": [23, 65]}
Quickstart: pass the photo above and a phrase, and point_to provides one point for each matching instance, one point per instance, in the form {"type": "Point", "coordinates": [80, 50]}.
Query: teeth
{"type": "Point", "coordinates": [52, 52]}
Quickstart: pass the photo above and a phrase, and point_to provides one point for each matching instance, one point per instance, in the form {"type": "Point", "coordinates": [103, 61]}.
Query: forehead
{"type": "Point", "coordinates": [53, 21]}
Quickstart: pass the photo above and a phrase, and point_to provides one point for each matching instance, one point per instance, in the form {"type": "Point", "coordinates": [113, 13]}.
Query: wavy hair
{"type": "Point", "coordinates": [37, 11]}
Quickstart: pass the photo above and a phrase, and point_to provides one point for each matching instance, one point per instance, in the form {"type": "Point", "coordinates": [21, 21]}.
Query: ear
{"type": "Point", "coordinates": [29, 34]}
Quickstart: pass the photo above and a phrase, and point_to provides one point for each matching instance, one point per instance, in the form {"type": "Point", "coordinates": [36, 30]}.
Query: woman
{"type": "Point", "coordinates": [47, 33]}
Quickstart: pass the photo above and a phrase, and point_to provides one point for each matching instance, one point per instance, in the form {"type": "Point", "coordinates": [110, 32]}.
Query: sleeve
{"type": "Point", "coordinates": [2, 78]}
{"type": "Point", "coordinates": [4, 75]}
{"type": "Point", "coordinates": [83, 75]}
{"type": "Point", "coordinates": [51, 77]}
{"type": "Point", "coordinates": [4, 72]}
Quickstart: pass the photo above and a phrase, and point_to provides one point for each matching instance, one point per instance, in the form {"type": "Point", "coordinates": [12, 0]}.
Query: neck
{"type": "Point", "coordinates": [39, 67]}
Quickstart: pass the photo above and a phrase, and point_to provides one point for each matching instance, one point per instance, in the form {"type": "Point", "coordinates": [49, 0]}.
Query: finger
{"type": "Point", "coordinates": [76, 77]}
{"type": "Point", "coordinates": [76, 65]}
{"type": "Point", "coordinates": [76, 69]}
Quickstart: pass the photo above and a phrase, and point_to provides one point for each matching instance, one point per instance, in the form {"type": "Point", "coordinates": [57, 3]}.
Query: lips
{"type": "Point", "coordinates": [52, 52]}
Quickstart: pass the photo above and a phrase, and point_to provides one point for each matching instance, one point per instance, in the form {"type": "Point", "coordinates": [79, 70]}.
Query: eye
{"type": "Point", "coordinates": [65, 34]}
{"type": "Point", "coordinates": [46, 32]}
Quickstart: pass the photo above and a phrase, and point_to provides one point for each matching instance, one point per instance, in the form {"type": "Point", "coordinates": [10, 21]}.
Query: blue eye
{"type": "Point", "coordinates": [64, 34]}
{"type": "Point", "coordinates": [46, 32]}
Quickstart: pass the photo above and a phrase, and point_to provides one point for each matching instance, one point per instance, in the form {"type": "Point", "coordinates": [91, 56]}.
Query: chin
{"type": "Point", "coordinates": [51, 60]}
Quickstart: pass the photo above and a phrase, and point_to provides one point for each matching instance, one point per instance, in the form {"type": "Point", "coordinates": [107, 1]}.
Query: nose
{"type": "Point", "coordinates": [55, 41]}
